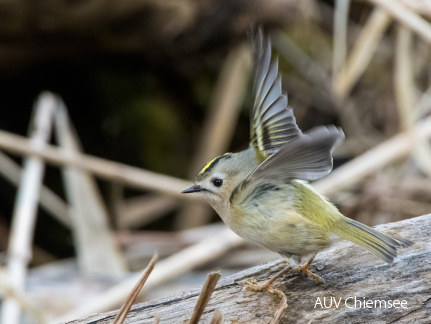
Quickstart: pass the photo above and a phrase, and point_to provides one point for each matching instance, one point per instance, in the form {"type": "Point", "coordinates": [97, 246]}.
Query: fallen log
{"type": "Point", "coordinates": [359, 288]}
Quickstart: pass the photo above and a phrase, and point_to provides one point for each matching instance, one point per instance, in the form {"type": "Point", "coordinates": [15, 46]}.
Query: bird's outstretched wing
{"type": "Point", "coordinates": [272, 122]}
{"type": "Point", "coordinates": [307, 157]}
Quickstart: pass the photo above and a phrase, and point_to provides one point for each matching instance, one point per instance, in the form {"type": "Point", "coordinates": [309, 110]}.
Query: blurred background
{"type": "Point", "coordinates": [165, 86]}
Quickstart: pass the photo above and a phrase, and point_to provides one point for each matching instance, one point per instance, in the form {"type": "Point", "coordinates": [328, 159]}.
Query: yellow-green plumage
{"type": "Point", "coordinates": [257, 192]}
{"type": "Point", "coordinates": [313, 206]}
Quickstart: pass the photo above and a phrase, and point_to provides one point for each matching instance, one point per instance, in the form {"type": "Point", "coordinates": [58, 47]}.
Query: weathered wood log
{"type": "Point", "coordinates": [349, 272]}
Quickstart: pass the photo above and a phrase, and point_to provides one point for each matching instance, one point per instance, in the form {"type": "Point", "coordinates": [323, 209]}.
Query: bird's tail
{"type": "Point", "coordinates": [381, 245]}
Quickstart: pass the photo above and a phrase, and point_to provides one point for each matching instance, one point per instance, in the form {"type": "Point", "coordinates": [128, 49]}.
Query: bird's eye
{"type": "Point", "coordinates": [217, 182]}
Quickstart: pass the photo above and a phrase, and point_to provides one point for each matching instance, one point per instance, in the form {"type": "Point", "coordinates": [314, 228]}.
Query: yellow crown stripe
{"type": "Point", "coordinates": [211, 162]}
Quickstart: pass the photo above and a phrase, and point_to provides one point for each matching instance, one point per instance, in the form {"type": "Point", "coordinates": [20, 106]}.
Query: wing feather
{"type": "Point", "coordinates": [272, 121]}
{"type": "Point", "coordinates": [307, 157]}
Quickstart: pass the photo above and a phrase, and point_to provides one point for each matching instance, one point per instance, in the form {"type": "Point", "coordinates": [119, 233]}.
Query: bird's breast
{"type": "Point", "coordinates": [277, 226]}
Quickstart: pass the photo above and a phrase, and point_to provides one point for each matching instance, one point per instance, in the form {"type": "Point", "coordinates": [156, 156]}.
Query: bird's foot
{"type": "Point", "coordinates": [309, 274]}
{"type": "Point", "coordinates": [305, 270]}
{"type": "Point", "coordinates": [254, 285]}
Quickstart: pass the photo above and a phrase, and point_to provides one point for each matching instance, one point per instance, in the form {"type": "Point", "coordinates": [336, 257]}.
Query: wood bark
{"type": "Point", "coordinates": [348, 270]}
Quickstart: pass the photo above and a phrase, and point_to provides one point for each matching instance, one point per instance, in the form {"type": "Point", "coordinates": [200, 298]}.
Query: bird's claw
{"type": "Point", "coordinates": [304, 270]}
{"type": "Point", "coordinates": [255, 286]}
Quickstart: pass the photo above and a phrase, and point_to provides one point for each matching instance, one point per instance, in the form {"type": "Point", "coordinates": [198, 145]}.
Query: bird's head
{"type": "Point", "coordinates": [219, 177]}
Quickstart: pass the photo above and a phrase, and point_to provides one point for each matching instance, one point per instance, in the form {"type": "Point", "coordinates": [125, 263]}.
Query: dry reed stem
{"type": "Point", "coordinates": [341, 22]}
{"type": "Point", "coordinates": [204, 296]}
{"type": "Point", "coordinates": [424, 104]}
{"type": "Point", "coordinates": [124, 310]}
{"type": "Point", "coordinates": [96, 254]}
{"type": "Point", "coordinates": [115, 203]}
{"type": "Point", "coordinates": [217, 317]}
{"type": "Point", "coordinates": [404, 78]}
{"type": "Point", "coordinates": [422, 155]}
{"type": "Point", "coordinates": [24, 214]}
{"type": "Point", "coordinates": [361, 53]}
{"type": "Point", "coordinates": [102, 168]}
{"type": "Point", "coordinates": [171, 267]}
{"type": "Point", "coordinates": [48, 199]}
{"type": "Point", "coordinates": [405, 95]}
{"type": "Point", "coordinates": [404, 206]}
{"type": "Point", "coordinates": [142, 210]}
{"type": "Point", "coordinates": [419, 6]}
{"type": "Point", "coordinates": [301, 61]}
{"type": "Point", "coordinates": [219, 125]}
{"type": "Point", "coordinates": [406, 16]}
{"type": "Point", "coordinates": [374, 159]}
{"type": "Point", "coordinates": [7, 291]}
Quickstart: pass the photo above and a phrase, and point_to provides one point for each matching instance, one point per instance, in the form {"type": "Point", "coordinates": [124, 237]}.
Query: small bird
{"type": "Point", "coordinates": [262, 193]}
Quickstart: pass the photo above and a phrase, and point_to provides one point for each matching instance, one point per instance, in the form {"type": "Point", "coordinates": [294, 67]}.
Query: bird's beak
{"type": "Point", "coordinates": [192, 189]}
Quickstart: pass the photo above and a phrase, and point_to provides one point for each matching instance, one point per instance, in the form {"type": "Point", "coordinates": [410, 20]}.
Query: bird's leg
{"type": "Point", "coordinates": [253, 285]}
{"type": "Point", "coordinates": [304, 269]}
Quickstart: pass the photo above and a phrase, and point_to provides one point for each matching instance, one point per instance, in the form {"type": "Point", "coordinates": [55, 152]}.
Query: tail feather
{"type": "Point", "coordinates": [381, 245]}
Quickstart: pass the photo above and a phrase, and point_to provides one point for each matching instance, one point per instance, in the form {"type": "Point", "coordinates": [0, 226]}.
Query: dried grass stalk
{"type": "Point", "coordinates": [403, 80]}
{"type": "Point", "coordinates": [48, 199]}
{"type": "Point", "coordinates": [341, 21]}
{"type": "Point", "coordinates": [362, 52]}
{"type": "Point", "coordinates": [375, 159]}
{"type": "Point", "coordinates": [406, 16]}
{"type": "Point", "coordinates": [121, 316]}
{"type": "Point", "coordinates": [112, 171]}
{"type": "Point", "coordinates": [405, 95]}
{"type": "Point", "coordinates": [204, 297]}
{"type": "Point", "coordinates": [7, 291]}
{"type": "Point", "coordinates": [217, 317]}
{"type": "Point", "coordinates": [24, 214]}
{"type": "Point", "coordinates": [169, 268]}
{"type": "Point", "coordinates": [300, 60]}
{"type": "Point", "coordinates": [142, 210]}
{"type": "Point", "coordinates": [97, 250]}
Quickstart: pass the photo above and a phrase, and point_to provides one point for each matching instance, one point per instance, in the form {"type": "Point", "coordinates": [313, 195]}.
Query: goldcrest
{"type": "Point", "coordinates": [262, 193]}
